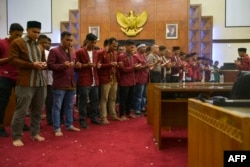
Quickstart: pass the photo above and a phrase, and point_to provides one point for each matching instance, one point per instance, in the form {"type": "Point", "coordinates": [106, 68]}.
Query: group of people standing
{"type": "Point", "coordinates": [53, 77]}
{"type": "Point", "coordinates": [42, 75]}
{"type": "Point", "coordinates": [176, 66]}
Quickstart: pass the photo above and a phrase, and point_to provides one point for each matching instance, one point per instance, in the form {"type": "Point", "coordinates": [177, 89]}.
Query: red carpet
{"type": "Point", "coordinates": [119, 144]}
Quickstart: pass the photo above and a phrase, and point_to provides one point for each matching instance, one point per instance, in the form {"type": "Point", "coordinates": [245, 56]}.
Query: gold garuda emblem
{"type": "Point", "coordinates": [131, 24]}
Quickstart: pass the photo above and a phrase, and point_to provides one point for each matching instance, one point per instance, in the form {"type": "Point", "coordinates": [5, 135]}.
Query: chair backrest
{"type": "Point", "coordinates": [241, 87]}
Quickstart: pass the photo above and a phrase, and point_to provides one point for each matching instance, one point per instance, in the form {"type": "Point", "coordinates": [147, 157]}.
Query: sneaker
{"type": "Point", "coordinates": [3, 133]}
{"type": "Point", "coordinates": [137, 112]}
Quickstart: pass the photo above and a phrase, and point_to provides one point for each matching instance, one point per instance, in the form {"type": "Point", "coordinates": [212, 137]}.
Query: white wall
{"type": "Point", "coordinates": [224, 52]}
{"type": "Point", "coordinates": [60, 12]}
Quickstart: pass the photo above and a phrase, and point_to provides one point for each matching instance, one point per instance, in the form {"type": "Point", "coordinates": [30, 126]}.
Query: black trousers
{"type": "Point", "coordinates": [174, 79]}
{"type": "Point", "coordinates": [6, 86]}
{"type": "Point", "coordinates": [155, 76]}
{"type": "Point", "coordinates": [48, 104]}
{"type": "Point", "coordinates": [126, 96]}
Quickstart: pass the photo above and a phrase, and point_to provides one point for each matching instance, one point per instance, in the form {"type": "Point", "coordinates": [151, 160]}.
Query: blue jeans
{"type": "Point", "coordinates": [88, 94]}
{"type": "Point", "coordinates": [65, 97]}
{"type": "Point", "coordinates": [139, 97]}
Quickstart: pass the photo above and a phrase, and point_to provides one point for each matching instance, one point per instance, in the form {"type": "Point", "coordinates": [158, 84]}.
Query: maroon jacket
{"type": "Point", "coordinates": [126, 71]}
{"type": "Point", "coordinates": [85, 75]}
{"type": "Point", "coordinates": [175, 69]}
{"type": "Point", "coordinates": [244, 64]}
{"type": "Point", "coordinates": [141, 76]}
{"type": "Point", "coordinates": [63, 78]}
{"type": "Point", "coordinates": [106, 69]}
{"type": "Point", "coordinates": [7, 70]}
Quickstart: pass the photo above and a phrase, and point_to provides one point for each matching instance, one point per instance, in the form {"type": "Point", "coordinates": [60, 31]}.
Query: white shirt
{"type": "Point", "coordinates": [90, 53]}
{"type": "Point", "coordinates": [47, 74]}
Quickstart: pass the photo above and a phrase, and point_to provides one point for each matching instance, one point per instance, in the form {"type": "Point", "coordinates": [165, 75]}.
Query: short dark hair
{"type": "Point", "coordinates": [111, 40]}
{"type": "Point", "coordinates": [49, 39]}
{"type": "Point", "coordinates": [106, 42]}
{"type": "Point", "coordinates": [42, 36]}
{"type": "Point", "coordinates": [16, 27]}
{"type": "Point", "coordinates": [91, 37]}
{"type": "Point", "coordinates": [65, 33]}
{"type": "Point", "coordinates": [161, 48]}
{"type": "Point", "coordinates": [129, 42]}
{"type": "Point", "coordinates": [148, 49]}
{"type": "Point", "coordinates": [182, 53]}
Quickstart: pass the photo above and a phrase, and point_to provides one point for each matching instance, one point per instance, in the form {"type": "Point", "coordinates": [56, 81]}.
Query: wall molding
{"type": "Point", "coordinates": [231, 41]}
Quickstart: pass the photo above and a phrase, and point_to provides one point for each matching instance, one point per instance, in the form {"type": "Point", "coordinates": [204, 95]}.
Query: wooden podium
{"type": "Point", "coordinates": [230, 75]}
{"type": "Point", "coordinates": [213, 130]}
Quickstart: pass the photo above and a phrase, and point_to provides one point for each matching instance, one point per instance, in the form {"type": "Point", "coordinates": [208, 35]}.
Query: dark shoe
{"type": "Point", "coordinates": [137, 112]}
{"type": "Point", "coordinates": [96, 121]}
{"type": "Point", "coordinates": [26, 127]}
{"type": "Point", "coordinates": [84, 126]}
{"type": "Point", "coordinates": [3, 133]}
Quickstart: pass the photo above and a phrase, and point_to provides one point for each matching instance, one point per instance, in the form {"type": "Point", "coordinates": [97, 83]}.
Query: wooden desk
{"type": "Point", "coordinates": [213, 129]}
{"type": "Point", "coordinates": [167, 103]}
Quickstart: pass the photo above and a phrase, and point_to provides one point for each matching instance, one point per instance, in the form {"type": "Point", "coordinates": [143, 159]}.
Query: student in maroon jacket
{"type": "Point", "coordinates": [141, 77]}
{"type": "Point", "coordinates": [88, 81]}
{"type": "Point", "coordinates": [108, 79]}
{"type": "Point", "coordinates": [243, 63]}
{"type": "Point", "coordinates": [126, 79]}
{"type": "Point", "coordinates": [61, 62]}
{"type": "Point", "coordinates": [176, 64]}
{"type": "Point", "coordinates": [8, 73]}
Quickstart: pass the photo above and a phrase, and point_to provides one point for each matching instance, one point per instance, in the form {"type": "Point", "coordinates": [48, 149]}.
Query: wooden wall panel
{"type": "Point", "coordinates": [160, 12]}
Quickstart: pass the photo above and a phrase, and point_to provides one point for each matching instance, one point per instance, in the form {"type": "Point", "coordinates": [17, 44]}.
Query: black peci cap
{"type": "Point", "coordinates": [34, 24]}
{"type": "Point", "coordinates": [242, 49]}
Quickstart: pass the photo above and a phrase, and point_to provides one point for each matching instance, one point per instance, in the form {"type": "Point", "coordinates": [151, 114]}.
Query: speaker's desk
{"type": "Point", "coordinates": [167, 103]}
{"type": "Point", "coordinates": [213, 129]}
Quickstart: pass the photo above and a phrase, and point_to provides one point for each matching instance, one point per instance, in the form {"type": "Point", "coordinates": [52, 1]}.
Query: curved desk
{"type": "Point", "coordinates": [167, 103]}
{"type": "Point", "coordinates": [213, 129]}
